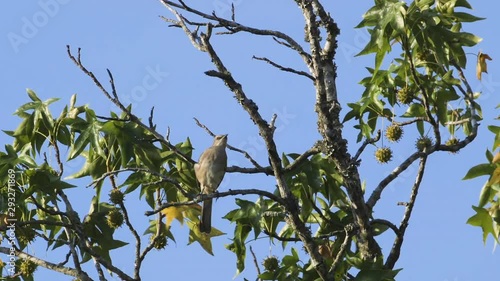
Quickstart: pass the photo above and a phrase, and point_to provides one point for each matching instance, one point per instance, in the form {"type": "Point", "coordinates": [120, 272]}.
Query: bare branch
{"type": "Point", "coordinates": [204, 197]}
{"type": "Point", "coordinates": [150, 119]}
{"type": "Point", "coordinates": [375, 196]}
{"type": "Point", "coordinates": [332, 30]}
{"type": "Point", "coordinates": [405, 123]}
{"type": "Point", "coordinates": [113, 118]}
{"type": "Point", "coordinates": [44, 222]}
{"type": "Point", "coordinates": [387, 223]}
{"type": "Point", "coordinates": [114, 99]}
{"type": "Point", "coordinates": [52, 266]}
{"type": "Point", "coordinates": [144, 170]}
{"type": "Point", "coordinates": [349, 233]}
{"type": "Point", "coordinates": [272, 126]}
{"type": "Point", "coordinates": [255, 261]}
{"type": "Point", "coordinates": [398, 242]}
{"type": "Point", "coordinates": [323, 68]}
{"type": "Point", "coordinates": [365, 143]}
{"type": "Point", "coordinates": [233, 18]}
{"type": "Point", "coordinates": [235, 169]}
{"type": "Point", "coordinates": [303, 157]}
{"type": "Point", "coordinates": [283, 68]}
{"type": "Point", "coordinates": [191, 35]}
{"type": "Point", "coordinates": [237, 27]}
{"type": "Point", "coordinates": [230, 146]}
{"type": "Point", "coordinates": [296, 239]}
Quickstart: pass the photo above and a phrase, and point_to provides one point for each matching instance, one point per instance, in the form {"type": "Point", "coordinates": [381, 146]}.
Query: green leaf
{"type": "Point", "coordinates": [248, 213]}
{"type": "Point", "coordinates": [486, 195]}
{"type": "Point", "coordinates": [415, 110]}
{"type": "Point", "coordinates": [465, 17]}
{"type": "Point", "coordinates": [479, 170]}
{"type": "Point", "coordinates": [32, 95]}
{"type": "Point", "coordinates": [238, 246]}
{"type": "Point", "coordinates": [376, 275]}
{"type": "Point", "coordinates": [379, 228]}
{"type": "Point", "coordinates": [482, 219]}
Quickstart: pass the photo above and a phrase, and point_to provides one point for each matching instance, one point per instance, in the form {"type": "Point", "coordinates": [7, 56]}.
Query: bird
{"type": "Point", "coordinates": [210, 171]}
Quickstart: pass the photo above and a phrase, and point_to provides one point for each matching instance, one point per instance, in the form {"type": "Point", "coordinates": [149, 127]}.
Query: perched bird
{"type": "Point", "coordinates": [210, 171]}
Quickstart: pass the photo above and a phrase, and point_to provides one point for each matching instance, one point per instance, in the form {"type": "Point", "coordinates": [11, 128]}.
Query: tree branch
{"type": "Point", "coordinates": [296, 239]}
{"type": "Point", "coordinates": [230, 146]}
{"type": "Point", "coordinates": [113, 97]}
{"type": "Point", "coordinates": [266, 133]}
{"type": "Point", "coordinates": [303, 157]}
{"type": "Point", "coordinates": [235, 27]}
{"type": "Point", "coordinates": [349, 233]}
{"type": "Point", "coordinates": [387, 223]}
{"type": "Point", "coordinates": [255, 263]}
{"type": "Point", "coordinates": [375, 196]}
{"type": "Point", "coordinates": [162, 177]}
{"type": "Point", "coordinates": [365, 143]}
{"type": "Point", "coordinates": [286, 69]}
{"type": "Point", "coordinates": [398, 242]}
{"type": "Point", "coordinates": [52, 266]}
{"type": "Point", "coordinates": [328, 109]}
{"type": "Point", "coordinates": [230, 192]}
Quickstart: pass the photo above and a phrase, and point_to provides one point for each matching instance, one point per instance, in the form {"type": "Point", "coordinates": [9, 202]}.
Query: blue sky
{"type": "Point", "coordinates": [155, 65]}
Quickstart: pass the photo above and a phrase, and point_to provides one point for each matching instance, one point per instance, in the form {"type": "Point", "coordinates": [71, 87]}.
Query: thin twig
{"type": "Point", "coordinates": [296, 239]}
{"type": "Point", "coordinates": [237, 27]}
{"type": "Point", "coordinates": [286, 69]}
{"type": "Point", "coordinates": [365, 143]}
{"type": "Point", "coordinates": [144, 170]}
{"type": "Point", "coordinates": [113, 97]}
{"type": "Point", "coordinates": [255, 263]}
{"type": "Point", "coordinates": [204, 197]}
{"type": "Point", "coordinates": [387, 223]}
{"type": "Point", "coordinates": [246, 154]}
{"type": "Point", "coordinates": [51, 266]}
{"type": "Point", "coordinates": [349, 232]}
{"type": "Point", "coordinates": [375, 196]}
{"type": "Point", "coordinates": [405, 123]}
{"type": "Point", "coordinates": [113, 118]}
{"type": "Point", "coordinates": [303, 157]}
{"type": "Point", "coordinates": [398, 241]}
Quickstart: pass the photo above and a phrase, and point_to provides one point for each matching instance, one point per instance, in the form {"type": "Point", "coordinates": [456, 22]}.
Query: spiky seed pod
{"type": "Point", "coordinates": [451, 142]}
{"type": "Point", "coordinates": [115, 218]}
{"type": "Point", "coordinates": [271, 263]}
{"type": "Point", "coordinates": [27, 268]}
{"type": "Point", "coordinates": [116, 196]}
{"type": "Point", "coordinates": [394, 133]}
{"type": "Point", "coordinates": [423, 143]}
{"type": "Point", "coordinates": [25, 235]}
{"type": "Point", "coordinates": [405, 95]}
{"type": "Point", "coordinates": [383, 154]}
{"type": "Point", "coordinates": [160, 242]}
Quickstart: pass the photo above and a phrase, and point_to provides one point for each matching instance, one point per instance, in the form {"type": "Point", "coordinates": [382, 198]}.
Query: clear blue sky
{"type": "Point", "coordinates": [155, 65]}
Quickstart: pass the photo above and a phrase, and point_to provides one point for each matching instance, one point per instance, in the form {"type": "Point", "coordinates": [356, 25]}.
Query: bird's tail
{"type": "Point", "coordinates": [206, 216]}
